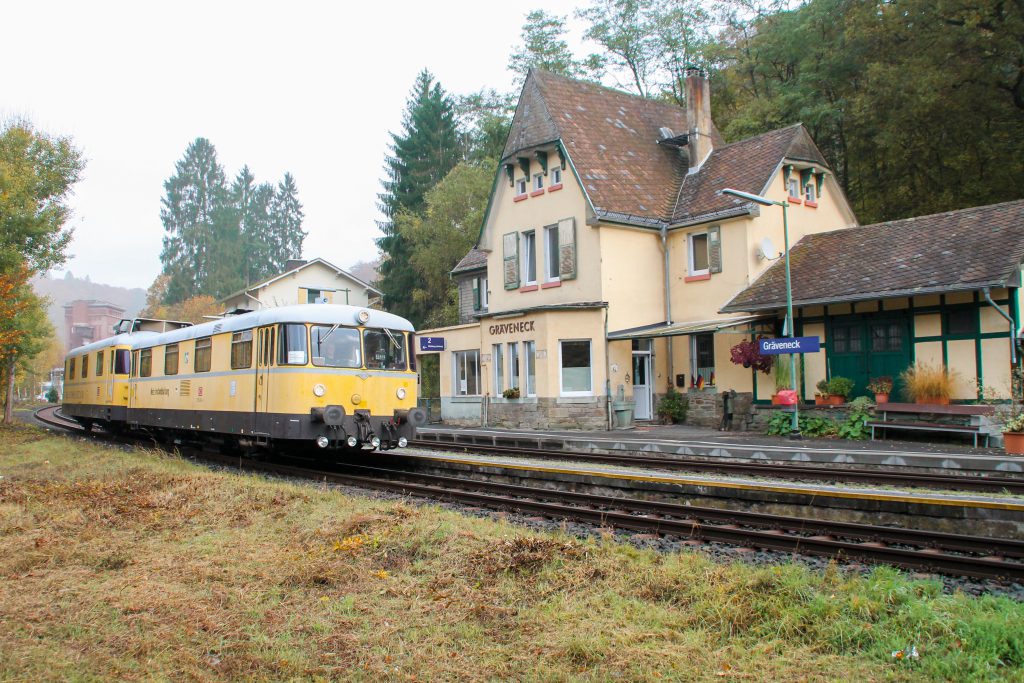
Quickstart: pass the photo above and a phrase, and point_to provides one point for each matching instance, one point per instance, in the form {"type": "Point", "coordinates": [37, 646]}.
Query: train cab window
{"type": "Point", "coordinates": [99, 363]}
{"type": "Point", "coordinates": [385, 349]}
{"type": "Point", "coordinates": [335, 346]}
{"type": "Point", "coordinates": [171, 359]}
{"type": "Point", "coordinates": [204, 354]}
{"type": "Point", "coordinates": [145, 362]}
{"type": "Point", "coordinates": [293, 345]}
{"type": "Point", "coordinates": [71, 369]}
{"type": "Point", "coordinates": [85, 366]}
{"type": "Point", "coordinates": [122, 361]}
{"type": "Point", "coordinates": [241, 350]}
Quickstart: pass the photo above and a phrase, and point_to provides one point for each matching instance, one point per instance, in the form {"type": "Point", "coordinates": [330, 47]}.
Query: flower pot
{"type": "Point", "coordinates": [881, 398]}
{"type": "Point", "coordinates": [932, 401]}
{"type": "Point", "coordinates": [836, 400]}
{"type": "Point", "coordinates": [1013, 442]}
{"type": "Point", "coordinates": [821, 400]}
{"type": "Point", "coordinates": [775, 400]}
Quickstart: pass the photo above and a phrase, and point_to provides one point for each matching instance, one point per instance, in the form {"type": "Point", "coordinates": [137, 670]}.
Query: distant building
{"type": "Point", "coordinates": [88, 320]}
{"type": "Point", "coordinates": [304, 282]}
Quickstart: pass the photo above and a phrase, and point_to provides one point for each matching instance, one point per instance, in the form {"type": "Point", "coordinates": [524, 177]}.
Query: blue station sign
{"type": "Point", "coordinates": [431, 343]}
{"type": "Point", "coordinates": [784, 345]}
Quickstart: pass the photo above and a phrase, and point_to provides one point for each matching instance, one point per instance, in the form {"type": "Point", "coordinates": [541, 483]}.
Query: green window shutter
{"type": "Point", "coordinates": [805, 178]}
{"type": "Point", "coordinates": [819, 179]}
{"type": "Point", "coordinates": [511, 263]}
{"type": "Point", "coordinates": [476, 294]}
{"type": "Point", "coordinates": [715, 249]}
{"type": "Point", "coordinates": [567, 249]}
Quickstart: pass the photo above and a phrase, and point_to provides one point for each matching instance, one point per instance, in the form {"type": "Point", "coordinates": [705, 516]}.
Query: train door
{"type": "Point", "coordinates": [264, 361]}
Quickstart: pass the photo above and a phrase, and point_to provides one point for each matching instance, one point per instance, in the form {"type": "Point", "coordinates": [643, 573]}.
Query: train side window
{"type": "Point", "coordinates": [85, 366]}
{"type": "Point", "coordinates": [146, 362]}
{"type": "Point", "coordinates": [99, 363]}
{"type": "Point", "coordinates": [204, 354]}
{"type": "Point", "coordinates": [171, 359]}
{"type": "Point", "coordinates": [293, 345]}
{"type": "Point", "coordinates": [71, 368]}
{"type": "Point", "coordinates": [241, 350]}
{"type": "Point", "coordinates": [122, 362]}
{"type": "Point", "coordinates": [272, 335]}
{"type": "Point", "coordinates": [113, 361]}
{"type": "Point", "coordinates": [135, 364]}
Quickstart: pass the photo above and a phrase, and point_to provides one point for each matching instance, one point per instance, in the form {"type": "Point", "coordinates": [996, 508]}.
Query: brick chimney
{"type": "Point", "coordinates": [698, 117]}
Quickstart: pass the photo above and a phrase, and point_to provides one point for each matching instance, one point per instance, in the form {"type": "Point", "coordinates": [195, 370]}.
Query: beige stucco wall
{"type": "Point", "coordinates": [632, 267]}
{"type": "Point", "coordinates": [292, 289]}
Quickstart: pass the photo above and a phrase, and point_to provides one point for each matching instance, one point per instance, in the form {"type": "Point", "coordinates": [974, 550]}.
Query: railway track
{"type": "Point", "coordinates": [950, 482]}
{"type": "Point", "coordinates": [952, 554]}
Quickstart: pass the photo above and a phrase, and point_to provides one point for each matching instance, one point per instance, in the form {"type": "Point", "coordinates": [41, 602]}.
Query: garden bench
{"type": "Point", "coordinates": [954, 419]}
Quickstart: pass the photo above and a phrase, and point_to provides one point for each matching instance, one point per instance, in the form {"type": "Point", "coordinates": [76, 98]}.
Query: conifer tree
{"type": "Point", "coordinates": [286, 235]}
{"type": "Point", "coordinates": [425, 150]}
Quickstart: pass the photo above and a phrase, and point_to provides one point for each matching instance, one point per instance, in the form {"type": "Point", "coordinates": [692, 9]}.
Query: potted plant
{"type": "Point", "coordinates": [1013, 435]}
{"type": "Point", "coordinates": [838, 389]}
{"type": "Point", "coordinates": [821, 396]}
{"type": "Point", "coordinates": [512, 392]}
{"type": "Point", "coordinates": [785, 394]}
{"type": "Point", "coordinates": [748, 354]}
{"type": "Point", "coordinates": [672, 407]}
{"type": "Point", "coordinates": [881, 387]}
{"type": "Point", "coordinates": [928, 384]}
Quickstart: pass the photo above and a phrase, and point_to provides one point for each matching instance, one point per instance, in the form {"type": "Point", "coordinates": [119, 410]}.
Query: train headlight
{"type": "Point", "coordinates": [319, 390]}
{"type": "Point", "coordinates": [356, 399]}
{"type": "Point", "coordinates": [323, 441]}
{"type": "Point", "coordinates": [352, 442]}
{"type": "Point", "coordinates": [402, 442]}
{"type": "Point", "coordinates": [400, 393]}
{"type": "Point", "coordinates": [363, 316]}
{"type": "Point", "coordinates": [375, 442]}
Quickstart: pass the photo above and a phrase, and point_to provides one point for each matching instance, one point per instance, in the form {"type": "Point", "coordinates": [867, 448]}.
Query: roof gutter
{"type": "Point", "coordinates": [735, 212]}
{"type": "Point", "coordinates": [850, 298]}
{"type": "Point", "coordinates": [1013, 326]}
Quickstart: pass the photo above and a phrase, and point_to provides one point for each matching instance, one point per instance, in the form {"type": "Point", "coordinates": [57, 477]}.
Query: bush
{"type": "Point", "coordinates": [511, 393]}
{"type": "Point", "coordinates": [672, 407]}
{"type": "Point", "coordinates": [840, 386]}
{"type": "Point", "coordinates": [822, 387]}
{"type": "Point", "coordinates": [51, 395]}
{"type": "Point", "coordinates": [926, 380]}
{"type": "Point", "coordinates": [856, 425]}
{"type": "Point", "coordinates": [781, 424]}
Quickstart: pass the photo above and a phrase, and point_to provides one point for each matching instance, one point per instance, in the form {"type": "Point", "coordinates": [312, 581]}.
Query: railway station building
{"type": "Point", "coordinates": [611, 266]}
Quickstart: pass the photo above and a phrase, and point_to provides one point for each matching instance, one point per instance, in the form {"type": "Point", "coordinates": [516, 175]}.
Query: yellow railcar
{"type": "Point", "coordinates": [337, 376]}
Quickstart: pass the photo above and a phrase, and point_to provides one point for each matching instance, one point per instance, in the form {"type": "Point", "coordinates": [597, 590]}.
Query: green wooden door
{"type": "Point", "coordinates": [864, 346]}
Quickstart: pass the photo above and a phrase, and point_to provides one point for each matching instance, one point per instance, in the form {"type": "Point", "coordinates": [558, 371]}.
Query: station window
{"type": "Point", "coordinates": [241, 350]}
{"type": "Point", "coordinates": [574, 362]}
{"type": "Point", "coordinates": [498, 360]}
{"type": "Point", "coordinates": [531, 367]}
{"type": "Point", "coordinates": [794, 188]}
{"type": "Point", "coordinates": [99, 363]}
{"type": "Point", "coordinates": [810, 192]}
{"type": "Point", "coordinates": [145, 362]}
{"type": "Point", "coordinates": [698, 248]}
{"type": "Point", "coordinates": [521, 186]}
{"type": "Point", "coordinates": [529, 250]}
{"type": "Point", "coordinates": [292, 348]}
{"type": "Point", "coordinates": [171, 359]}
{"type": "Point", "coordinates": [204, 354]}
{"type": "Point", "coordinates": [961, 322]}
{"type": "Point", "coordinates": [702, 355]}
{"type": "Point", "coordinates": [556, 176]}
{"type": "Point", "coordinates": [513, 366]}
{"type": "Point", "coordinates": [551, 253]}
{"type": "Point", "coordinates": [467, 373]}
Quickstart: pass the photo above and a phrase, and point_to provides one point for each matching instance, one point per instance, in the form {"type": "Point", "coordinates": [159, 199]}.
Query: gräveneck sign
{"type": "Point", "coordinates": [511, 328]}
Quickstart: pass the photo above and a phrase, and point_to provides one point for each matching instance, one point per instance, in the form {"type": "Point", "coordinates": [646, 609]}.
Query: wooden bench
{"type": "Point", "coordinates": [967, 419]}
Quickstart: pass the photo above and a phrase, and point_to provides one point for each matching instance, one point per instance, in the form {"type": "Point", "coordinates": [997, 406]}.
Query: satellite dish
{"type": "Point", "coordinates": [766, 250]}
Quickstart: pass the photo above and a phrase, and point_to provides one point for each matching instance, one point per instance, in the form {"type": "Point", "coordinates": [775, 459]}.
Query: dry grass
{"type": "Point", "coordinates": [134, 566]}
{"type": "Point", "coordinates": [928, 381]}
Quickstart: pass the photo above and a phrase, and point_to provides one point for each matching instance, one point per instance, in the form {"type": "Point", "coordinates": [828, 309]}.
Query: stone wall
{"type": "Point", "coordinates": [705, 408]}
{"type": "Point", "coordinates": [589, 413]}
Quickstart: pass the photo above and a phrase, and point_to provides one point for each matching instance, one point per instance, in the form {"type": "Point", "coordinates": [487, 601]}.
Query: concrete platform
{"type": "Point", "coordinates": [741, 446]}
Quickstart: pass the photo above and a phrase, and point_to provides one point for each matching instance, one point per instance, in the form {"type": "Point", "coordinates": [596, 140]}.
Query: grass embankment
{"type": "Point", "coordinates": [136, 565]}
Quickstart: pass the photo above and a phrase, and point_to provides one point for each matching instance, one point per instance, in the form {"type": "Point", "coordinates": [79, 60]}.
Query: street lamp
{"type": "Point", "coordinates": [764, 201]}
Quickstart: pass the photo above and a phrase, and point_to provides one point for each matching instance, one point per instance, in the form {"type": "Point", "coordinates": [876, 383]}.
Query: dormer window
{"type": "Point", "coordinates": [809, 193]}
{"type": "Point", "coordinates": [794, 187]}
{"type": "Point", "coordinates": [521, 186]}
{"type": "Point", "coordinates": [538, 182]}
{"type": "Point", "coordinates": [556, 176]}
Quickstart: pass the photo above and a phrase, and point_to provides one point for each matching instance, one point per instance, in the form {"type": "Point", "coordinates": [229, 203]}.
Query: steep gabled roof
{"type": "Point", "coordinates": [474, 260]}
{"type": "Point", "coordinates": [747, 165]}
{"type": "Point", "coordinates": [954, 251]}
{"type": "Point", "coordinates": [307, 264]}
{"type": "Point", "coordinates": [611, 137]}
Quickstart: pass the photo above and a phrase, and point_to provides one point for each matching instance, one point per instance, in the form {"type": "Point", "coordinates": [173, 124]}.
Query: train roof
{"type": "Point", "coordinates": [317, 314]}
{"type": "Point", "coordinates": [126, 339]}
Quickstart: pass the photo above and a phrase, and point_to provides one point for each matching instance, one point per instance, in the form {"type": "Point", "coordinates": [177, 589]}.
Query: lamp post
{"type": "Point", "coordinates": [791, 332]}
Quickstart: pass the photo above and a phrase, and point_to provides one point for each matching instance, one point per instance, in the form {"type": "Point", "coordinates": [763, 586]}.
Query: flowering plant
{"type": "Point", "coordinates": [747, 354]}
{"type": "Point", "coordinates": [880, 385]}
{"type": "Point", "coordinates": [1015, 424]}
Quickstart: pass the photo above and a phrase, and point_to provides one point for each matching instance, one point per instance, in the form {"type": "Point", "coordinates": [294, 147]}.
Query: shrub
{"type": "Point", "coordinates": [511, 393]}
{"type": "Point", "coordinates": [1014, 424]}
{"type": "Point", "coordinates": [822, 386]}
{"type": "Point", "coordinates": [840, 386]}
{"type": "Point", "coordinates": [926, 380]}
{"type": "Point", "coordinates": [672, 407]}
{"type": "Point", "coordinates": [51, 395]}
{"type": "Point", "coordinates": [856, 425]}
{"type": "Point", "coordinates": [781, 424]}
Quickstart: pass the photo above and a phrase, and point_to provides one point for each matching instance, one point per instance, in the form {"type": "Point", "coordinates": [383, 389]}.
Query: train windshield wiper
{"type": "Point", "coordinates": [392, 338]}
{"type": "Point", "coordinates": [320, 340]}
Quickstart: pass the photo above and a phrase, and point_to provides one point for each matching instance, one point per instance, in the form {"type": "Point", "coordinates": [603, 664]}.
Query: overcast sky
{"type": "Point", "coordinates": [307, 87]}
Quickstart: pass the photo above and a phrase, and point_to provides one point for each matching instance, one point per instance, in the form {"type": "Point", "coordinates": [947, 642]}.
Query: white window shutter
{"type": "Point", "coordinates": [567, 249]}
{"type": "Point", "coordinates": [511, 262]}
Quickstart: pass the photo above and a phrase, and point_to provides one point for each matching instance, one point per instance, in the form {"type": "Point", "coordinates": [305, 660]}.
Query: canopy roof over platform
{"type": "Point", "coordinates": [691, 327]}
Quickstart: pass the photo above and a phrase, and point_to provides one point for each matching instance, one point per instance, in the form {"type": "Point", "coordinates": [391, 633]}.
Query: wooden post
{"type": "Point", "coordinates": [9, 403]}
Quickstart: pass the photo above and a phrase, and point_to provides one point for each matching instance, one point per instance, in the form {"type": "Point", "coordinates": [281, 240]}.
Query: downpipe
{"type": "Point", "coordinates": [1013, 332]}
